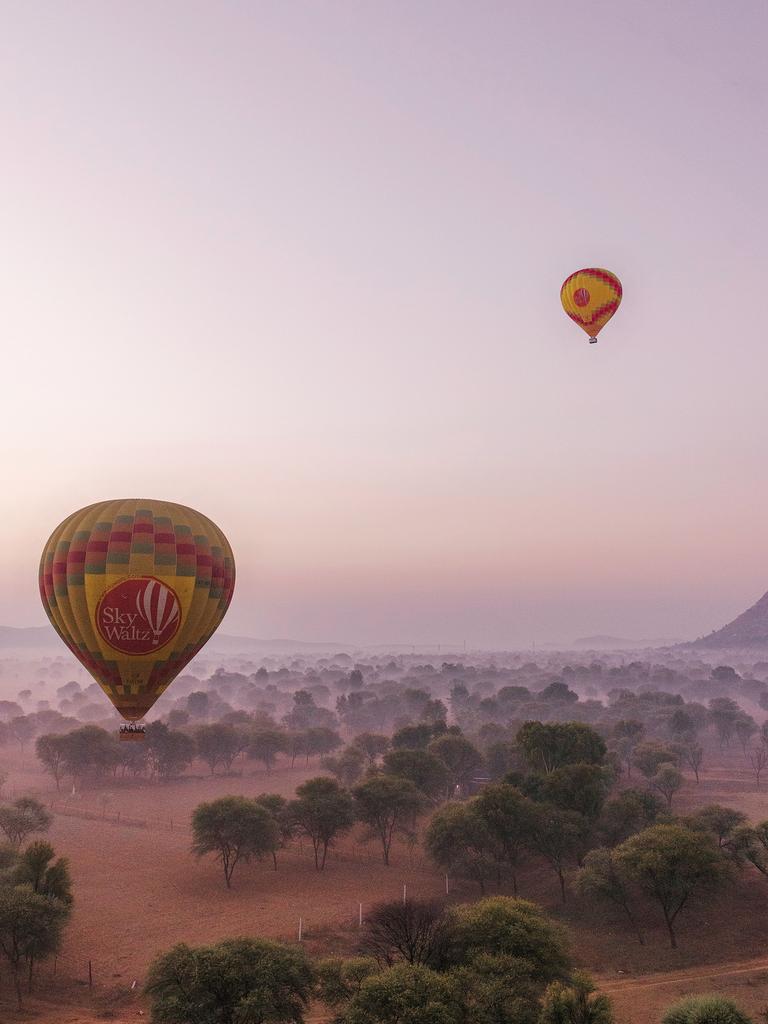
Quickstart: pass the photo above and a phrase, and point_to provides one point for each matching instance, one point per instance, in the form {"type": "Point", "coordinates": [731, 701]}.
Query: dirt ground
{"type": "Point", "coordinates": [139, 890]}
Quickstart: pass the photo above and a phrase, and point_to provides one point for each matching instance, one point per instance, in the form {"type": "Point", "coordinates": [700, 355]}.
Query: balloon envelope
{"type": "Point", "coordinates": [135, 588]}
{"type": "Point", "coordinates": [590, 297]}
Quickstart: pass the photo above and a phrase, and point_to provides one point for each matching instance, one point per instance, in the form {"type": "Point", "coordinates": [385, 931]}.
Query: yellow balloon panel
{"type": "Point", "coordinates": [135, 588]}
{"type": "Point", "coordinates": [590, 297]}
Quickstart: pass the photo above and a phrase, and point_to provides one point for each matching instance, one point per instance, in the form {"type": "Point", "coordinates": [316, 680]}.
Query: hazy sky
{"type": "Point", "coordinates": [298, 264]}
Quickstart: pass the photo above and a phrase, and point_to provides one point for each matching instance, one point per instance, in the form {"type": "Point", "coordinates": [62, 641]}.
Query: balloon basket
{"type": "Point", "coordinates": [130, 734]}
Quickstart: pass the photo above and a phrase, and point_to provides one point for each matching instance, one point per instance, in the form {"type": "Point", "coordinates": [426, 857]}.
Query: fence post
{"type": "Point", "coordinates": [90, 975]}
{"type": "Point", "coordinates": [360, 916]}
{"type": "Point", "coordinates": [405, 893]}
{"type": "Point", "coordinates": [300, 924]}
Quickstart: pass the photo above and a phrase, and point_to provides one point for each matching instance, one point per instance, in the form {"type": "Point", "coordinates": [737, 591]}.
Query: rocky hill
{"type": "Point", "coordinates": [750, 629]}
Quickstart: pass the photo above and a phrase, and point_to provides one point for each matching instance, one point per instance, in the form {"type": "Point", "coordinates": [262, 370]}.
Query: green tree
{"type": "Point", "coordinates": [424, 770]}
{"type": "Point", "coordinates": [672, 866]}
{"type": "Point", "coordinates": [322, 811]}
{"type": "Point", "coordinates": [277, 806]}
{"type": "Point", "coordinates": [509, 927]}
{"type": "Point", "coordinates": [462, 758]}
{"type": "Point", "coordinates": [347, 767]}
{"type": "Point", "coordinates": [649, 757]}
{"type": "Point", "coordinates": [724, 713]}
{"type": "Point", "coordinates": [558, 837]}
{"type": "Point", "coordinates": [406, 994]}
{"type": "Point", "coordinates": [23, 817]}
{"type": "Point", "coordinates": [30, 929]}
{"type": "Point", "coordinates": [234, 828]}
{"type": "Point", "coordinates": [667, 781]}
{"type": "Point", "coordinates": [169, 751]}
{"type": "Point", "coordinates": [37, 868]}
{"type": "Point", "coordinates": [576, 787]}
{"type": "Point", "coordinates": [550, 745]}
{"type": "Point", "coordinates": [389, 806]}
{"type": "Point", "coordinates": [601, 878]}
{"type": "Point", "coordinates": [338, 979]}
{"type": "Point", "coordinates": [412, 737]}
{"type": "Point", "coordinates": [373, 745]}
{"type": "Point", "coordinates": [508, 816]}
{"type": "Point", "coordinates": [575, 1002]}
{"type": "Point", "coordinates": [497, 990]}
{"type": "Point", "coordinates": [238, 981]}
{"type": "Point", "coordinates": [630, 811]}
{"type": "Point", "coordinates": [88, 752]}
{"type": "Point", "coordinates": [218, 744]}
{"type": "Point", "coordinates": [51, 752]}
{"type": "Point", "coordinates": [458, 840]}
{"type": "Point", "coordinates": [266, 744]}
{"type": "Point", "coordinates": [722, 822]}
{"type": "Point", "coordinates": [705, 1009]}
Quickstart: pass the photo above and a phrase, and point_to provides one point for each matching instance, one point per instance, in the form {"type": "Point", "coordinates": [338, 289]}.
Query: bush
{"type": "Point", "coordinates": [706, 1009]}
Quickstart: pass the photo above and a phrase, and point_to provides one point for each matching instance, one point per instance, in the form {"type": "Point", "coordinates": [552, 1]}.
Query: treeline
{"type": "Point", "coordinates": [497, 961]}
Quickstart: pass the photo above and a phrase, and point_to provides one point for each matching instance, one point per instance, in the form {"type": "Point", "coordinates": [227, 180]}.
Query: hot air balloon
{"type": "Point", "coordinates": [135, 588]}
{"type": "Point", "coordinates": [590, 297]}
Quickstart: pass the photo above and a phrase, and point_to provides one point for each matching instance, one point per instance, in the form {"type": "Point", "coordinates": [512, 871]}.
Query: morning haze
{"type": "Point", "coordinates": [482, 737]}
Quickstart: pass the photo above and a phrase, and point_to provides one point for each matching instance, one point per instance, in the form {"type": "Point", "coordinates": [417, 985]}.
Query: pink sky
{"type": "Point", "coordinates": [297, 265]}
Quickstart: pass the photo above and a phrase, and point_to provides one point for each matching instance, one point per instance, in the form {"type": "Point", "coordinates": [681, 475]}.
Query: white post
{"type": "Point", "coordinates": [300, 923]}
{"type": "Point", "coordinates": [405, 893]}
{"type": "Point", "coordinates": [446, 885]}
{"type": "Point", "coordinates": [360, 916]}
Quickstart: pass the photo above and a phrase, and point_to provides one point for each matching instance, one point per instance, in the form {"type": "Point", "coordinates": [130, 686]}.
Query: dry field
{"type": "Point", "coordinates": [139, 890]}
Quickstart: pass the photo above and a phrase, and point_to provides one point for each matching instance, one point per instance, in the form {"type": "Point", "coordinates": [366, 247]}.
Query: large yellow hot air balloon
{"type": "Point", "coordinates": [134, 588]}
{"type": "Point", "coordinates": [590, 297]}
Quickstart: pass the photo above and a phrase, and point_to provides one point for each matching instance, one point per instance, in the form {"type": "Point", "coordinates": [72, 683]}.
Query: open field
{"type": "Point", "coordinates": [139, 890]}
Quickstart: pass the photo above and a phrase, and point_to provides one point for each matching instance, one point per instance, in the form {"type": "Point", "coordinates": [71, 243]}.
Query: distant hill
{"type": "Point", "coordinates": [750, 629]}
{"type": "Point", "coordinates": [44, 638]}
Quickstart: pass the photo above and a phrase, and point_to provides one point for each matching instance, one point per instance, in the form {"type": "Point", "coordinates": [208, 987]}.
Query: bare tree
{"type": "Point", "coordinates": [758, 759]}
{"type": "Point", "coordinates": [413, 931]}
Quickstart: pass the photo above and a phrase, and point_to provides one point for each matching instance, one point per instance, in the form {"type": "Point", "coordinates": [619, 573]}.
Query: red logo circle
{"type": "Point", "coordinates": [581, 297]}
{"type": "Point", "coordinates": [138, 615]}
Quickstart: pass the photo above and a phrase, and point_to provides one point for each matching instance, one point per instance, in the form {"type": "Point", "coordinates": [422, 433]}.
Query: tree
{"type": "Point", "coordinates": [321, 740]}
{"type": "Point", "coordinates": [339, 979]}
{"type": "Point", "coordinates": [373, 745]}
{"type": "Point", "coordinates": [751, 844]}
{"type": "Point", "coordinates": [722, 822]}
{"type": "Point", "coordinates": [667, 781]}
{"type": "Point", "coordinates": [45, 876]}
{"type": "Point", "coordinates": [406, 994]}
{"type": "Point", "coordinates": [218, 744]}
{"type": "Point", "coordinates": [30, 929]}
{"type": "Point", "coordinates": [576, 787]}
{"type": "Point", "coordinates": [692, 754]}
{"type": "Point", "coordinates": [497, 990]}
{"type": "Point", "coordinates": [23, 817]}
{"type": "Point", "coordinates": [462, 758]}
{"type": "Point", "coordinates": [51, 752]}
{"type": "Point", "coordinates": [323, 811]}
{"type": "Point", "coordinates": [724, 714]}
{"type": "Point", "coordinates": [758, 760]}
{"type": "Point", "coordinates": [414, 931]}
{"type": "Point", "coordinates": [575, 1002]}
{"type": "Point", "coordinates": [266, 744]}
{"type": "Point", "coordinates": [413, 737]}
{"type": "Point", "coordinates": [253, 981]}
{"type": "Point", "coordinates": [630, 811]}
{"type": "Point", "coordinates": [424, 770]}
{"type": "Point", "coordinates": [277, 806]}
{"type": "Point", "coordinates": [557, 836]}
{"type": "Point", "coordinates": [347, 767]}
{"type": "Point", "coordinates": [550, 745]}
{"type": "Point", "coordinates": [22, 729]}
{"type": "Point", "coordinates": [672, 865]}
{"type": "Point", "coordinates": [234, 828]}
{"type": "Point", "coordinates": [88, 751]}
{"type": "Point", "coordinates": [601, 878]}
{"type": "Point", "coordinates": [389, 806]}
{"type": "Point", "coordinates": [706, 1009]}
{"type": "Point", "coordinates": [508, 817]}
{"type": "Point", "coordinates": [458, 840]}
{"type": "Point", "coordinates": [648, 757]}
{"type": "Point", "coordinates": [509, 927]}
